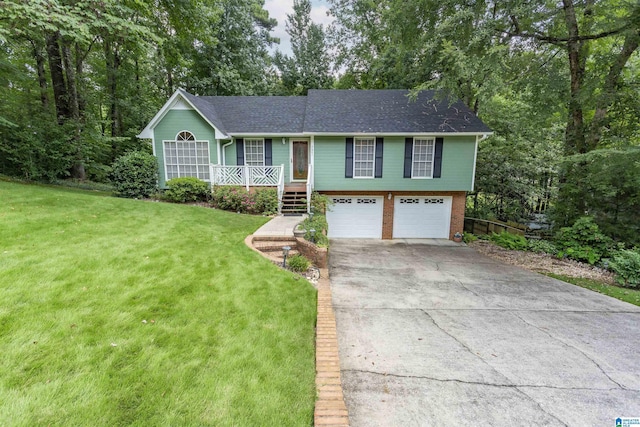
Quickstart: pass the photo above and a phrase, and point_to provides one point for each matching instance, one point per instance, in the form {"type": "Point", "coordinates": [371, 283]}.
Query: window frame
{"type": "Point", "coordinates": [373, 157]}
{"type": "Point", "coordinates": [254, 140]}
{"type": "Point", "coordinates": [187, 137]}
{"type": "Point", "coordinates": [432, 141]}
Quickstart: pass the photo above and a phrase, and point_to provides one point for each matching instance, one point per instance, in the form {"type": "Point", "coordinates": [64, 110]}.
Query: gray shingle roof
{"type": "Point", "coordinates": [362, 111]}
{"type": "Point", "coordinates": [338, 111]}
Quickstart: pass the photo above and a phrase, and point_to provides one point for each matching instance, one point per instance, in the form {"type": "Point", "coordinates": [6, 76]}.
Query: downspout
{"type": "Point", "coordinates": [224, 158]}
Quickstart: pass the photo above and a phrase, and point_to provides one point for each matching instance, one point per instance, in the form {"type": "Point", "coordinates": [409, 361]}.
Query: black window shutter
{"type": "Point", "coordinates": [348, 159]}
{"type": "Point", "coordinates": [268, 158]}
{"type": "Point", "coordinates": [437, 158]}
{"type": "Point", "coordinates": [239, 152]}
{"type": "Point", "coordinates": [379, 144]}
{"type": "Point", "coordinates": [408, 156]}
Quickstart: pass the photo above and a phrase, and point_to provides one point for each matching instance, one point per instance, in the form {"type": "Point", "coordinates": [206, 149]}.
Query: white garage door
{"type": "Point", "coordinates": [421, 217]}
{"type": "Point", "coordinates": [355, 217]}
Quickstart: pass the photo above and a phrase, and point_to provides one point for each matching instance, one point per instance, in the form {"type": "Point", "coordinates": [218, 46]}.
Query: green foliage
{"type": "Point", "coordinates": [310, 66]}
{"type": "Point", "coordinates": [509, 241]}
{"type": "Point", "coordinates": [318, 223]}
{"type": "Point", "coordinates": [135, 175]}
{"type": "Point", "coordinates": [186, 189]}
{"type": "Point", "coordinates": [266, 201]}
{"type": "Point", "coordinates": [320, 203]}
{"type": "Point", "coordinates": [583, 241]}
{"type": "Point", "coordinates": [626, 265]}
{"type": "Point", "coordinates": [238, 199]}
{"type": "Point", "coordinates": [469, 237]}
{"type": "Point", "coordinates": [606, 183]}
{"type": "Point", "coordinates": [298, 263]}
{"type": "Point", "coordinates": [542, 246]}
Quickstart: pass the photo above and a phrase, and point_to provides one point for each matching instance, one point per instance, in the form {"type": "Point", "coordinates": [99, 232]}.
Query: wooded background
{"type": "Point", "coordinates": [558, 82]}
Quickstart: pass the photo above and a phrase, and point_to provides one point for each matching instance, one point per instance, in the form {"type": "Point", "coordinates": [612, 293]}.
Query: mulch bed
{"type": "Point", "coordinates": [543, 263]}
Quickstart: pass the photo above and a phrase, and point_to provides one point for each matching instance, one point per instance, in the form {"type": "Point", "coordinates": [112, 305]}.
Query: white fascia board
{"type": "Point", "coordinates": [147, 132]}
{"type": "Point", "coordinates": [266, 134]}
{"type": "Point", "coordinates": [399, 133]}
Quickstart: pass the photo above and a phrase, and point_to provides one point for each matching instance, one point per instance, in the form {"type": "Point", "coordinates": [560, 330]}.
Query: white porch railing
{"type": "Point", "coordinates": [248, 176]}
{"type": "Point", "coordinates": [280, 189]}
{"type": "Point", "coordinates": [309, 186]}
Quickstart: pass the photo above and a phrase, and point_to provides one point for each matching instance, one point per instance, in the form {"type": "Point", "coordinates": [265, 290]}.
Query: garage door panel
{"type": "Point", "coordinates": [355, 217]}
{"type": "Point", "coordinates": [421, 217]}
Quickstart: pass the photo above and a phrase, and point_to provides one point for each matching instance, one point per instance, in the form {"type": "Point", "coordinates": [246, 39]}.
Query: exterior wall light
{"type": "Point", "coordinates": [285, 252]}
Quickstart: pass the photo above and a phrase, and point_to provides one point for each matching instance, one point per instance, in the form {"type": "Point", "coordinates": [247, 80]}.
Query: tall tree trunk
{"type": "Point", "coordinates": [112, 58]}
{"type": "Point", "coordinates": [575, 141]}
{"type": "Point", "coordinates": [631, 43]}
{"type": "Point", "coordinates": [72, 88]}
{"type": "Point", "coordinates": [56, 70]}
{"type": "Point", "coordinates": [77, 169]}
{"type": "Point", "coordinates": [42, 76]}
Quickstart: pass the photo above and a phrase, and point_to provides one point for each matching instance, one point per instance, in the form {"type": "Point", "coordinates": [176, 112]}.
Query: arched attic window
{"type": "Point", "coordinates": [186, 156]}
{"type": "Point", "coordinates": [185, 135]}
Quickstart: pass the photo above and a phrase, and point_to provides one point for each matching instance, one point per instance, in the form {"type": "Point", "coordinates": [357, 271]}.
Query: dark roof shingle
{"type": "Point", "coordinates": [338, 111]}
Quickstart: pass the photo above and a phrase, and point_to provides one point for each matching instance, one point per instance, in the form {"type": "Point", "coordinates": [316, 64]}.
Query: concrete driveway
{"type": "Point", "coordinates": [443, 336]}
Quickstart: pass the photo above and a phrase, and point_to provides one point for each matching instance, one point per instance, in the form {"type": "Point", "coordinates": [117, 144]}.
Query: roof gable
{"type": "Point", "coordinates": [182, 100]}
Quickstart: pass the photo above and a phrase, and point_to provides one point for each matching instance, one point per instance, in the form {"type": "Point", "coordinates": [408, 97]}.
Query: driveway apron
{"type": "Point", "coordinates": [441, 335]}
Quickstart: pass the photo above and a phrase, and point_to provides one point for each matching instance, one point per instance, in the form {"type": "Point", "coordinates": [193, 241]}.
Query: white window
{"type": "Point", "coordinates": [186, 157]}
{"type": "Point", "coordinates": [254, 152]}
{"type": "Point", "coordinates": [422, 163]}
{"type": "Point", "coordinates": [364, 157]}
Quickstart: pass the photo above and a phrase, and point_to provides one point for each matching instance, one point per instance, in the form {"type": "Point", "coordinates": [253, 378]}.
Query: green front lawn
{"type": "Point", "coordinates": [117, 312]}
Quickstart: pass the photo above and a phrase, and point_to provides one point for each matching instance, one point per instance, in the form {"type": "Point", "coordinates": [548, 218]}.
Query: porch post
{"type": "Point", "coordinates": [247, 177]}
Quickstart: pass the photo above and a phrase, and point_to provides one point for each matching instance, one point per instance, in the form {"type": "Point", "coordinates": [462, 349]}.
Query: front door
{"type": "Point", "coordinates": [300, 159]}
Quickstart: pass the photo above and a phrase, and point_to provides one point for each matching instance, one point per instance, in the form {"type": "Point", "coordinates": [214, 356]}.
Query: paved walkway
{"type": "Point", "coordinates": [280, 226]}
{"type": "Point", "coordinates": [441, 335]}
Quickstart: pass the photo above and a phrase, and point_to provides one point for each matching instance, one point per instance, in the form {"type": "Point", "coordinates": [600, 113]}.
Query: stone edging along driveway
{"type": "Point", "coordinates": [330, 409]}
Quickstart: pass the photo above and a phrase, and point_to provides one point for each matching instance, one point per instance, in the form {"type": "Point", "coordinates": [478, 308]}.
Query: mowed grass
{"type": "Point", "coordinates": [623, 294]}
{"type": "Point", "coordinates": [123, 312]}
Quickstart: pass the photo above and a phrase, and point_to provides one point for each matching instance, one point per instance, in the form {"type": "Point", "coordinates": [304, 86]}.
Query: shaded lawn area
{"type": "Point", "coordinates": [228, 338]}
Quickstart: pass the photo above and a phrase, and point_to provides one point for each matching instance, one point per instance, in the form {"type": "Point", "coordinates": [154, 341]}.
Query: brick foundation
{"type": "Point", "coordinates": [457, 206]}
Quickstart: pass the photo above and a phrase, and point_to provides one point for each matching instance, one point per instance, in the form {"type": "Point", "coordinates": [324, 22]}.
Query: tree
{"type": "Point", "coordinates": [310, 65]}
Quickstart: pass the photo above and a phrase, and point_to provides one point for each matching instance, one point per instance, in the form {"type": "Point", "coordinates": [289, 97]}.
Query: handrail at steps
{"type": "Point", "coordinates": [280, 188]}
{"type": "Point", "coordinates": [309, 186]}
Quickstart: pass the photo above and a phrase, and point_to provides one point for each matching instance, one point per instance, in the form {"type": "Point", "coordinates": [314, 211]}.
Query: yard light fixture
{"type": "Point", "coordinates": [312, 231]}
{"type": "Point", "coordinates": [285, 252]}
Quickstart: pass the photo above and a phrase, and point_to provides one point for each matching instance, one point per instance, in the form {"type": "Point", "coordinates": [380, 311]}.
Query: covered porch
{"type": "Point", "coordinates": [292, 197]}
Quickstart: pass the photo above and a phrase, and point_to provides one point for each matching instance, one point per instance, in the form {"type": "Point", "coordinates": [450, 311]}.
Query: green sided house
{"type": "Point", "coordinates": [393, 167]}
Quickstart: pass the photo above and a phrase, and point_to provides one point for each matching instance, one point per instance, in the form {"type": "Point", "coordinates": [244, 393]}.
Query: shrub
{"type": "Point", "coordinates": [469, 237]}
{"type": "Point", "coordinates": [583, 241]}
{"type": "Point", "coordinates": [541, 246]}
{"type": "Point", "coordinates": [266, 201]}
{"type": "Point", "coordinates": [509, 241]}
{"type": "Point", "coordinates": [298, 263]}
{"type": "Point", "coordinates": [320, 203]}
{"type": "Point", "coordinates": [187, 189]}
{"type": "Point", "coordinates": [626, 265]}
{"type": "Point", "coordinates": [238, 199]}
{"type": "Point", "coordinates": [318, 223]}
{"type": "Point", "coordinates": [135, 175]}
